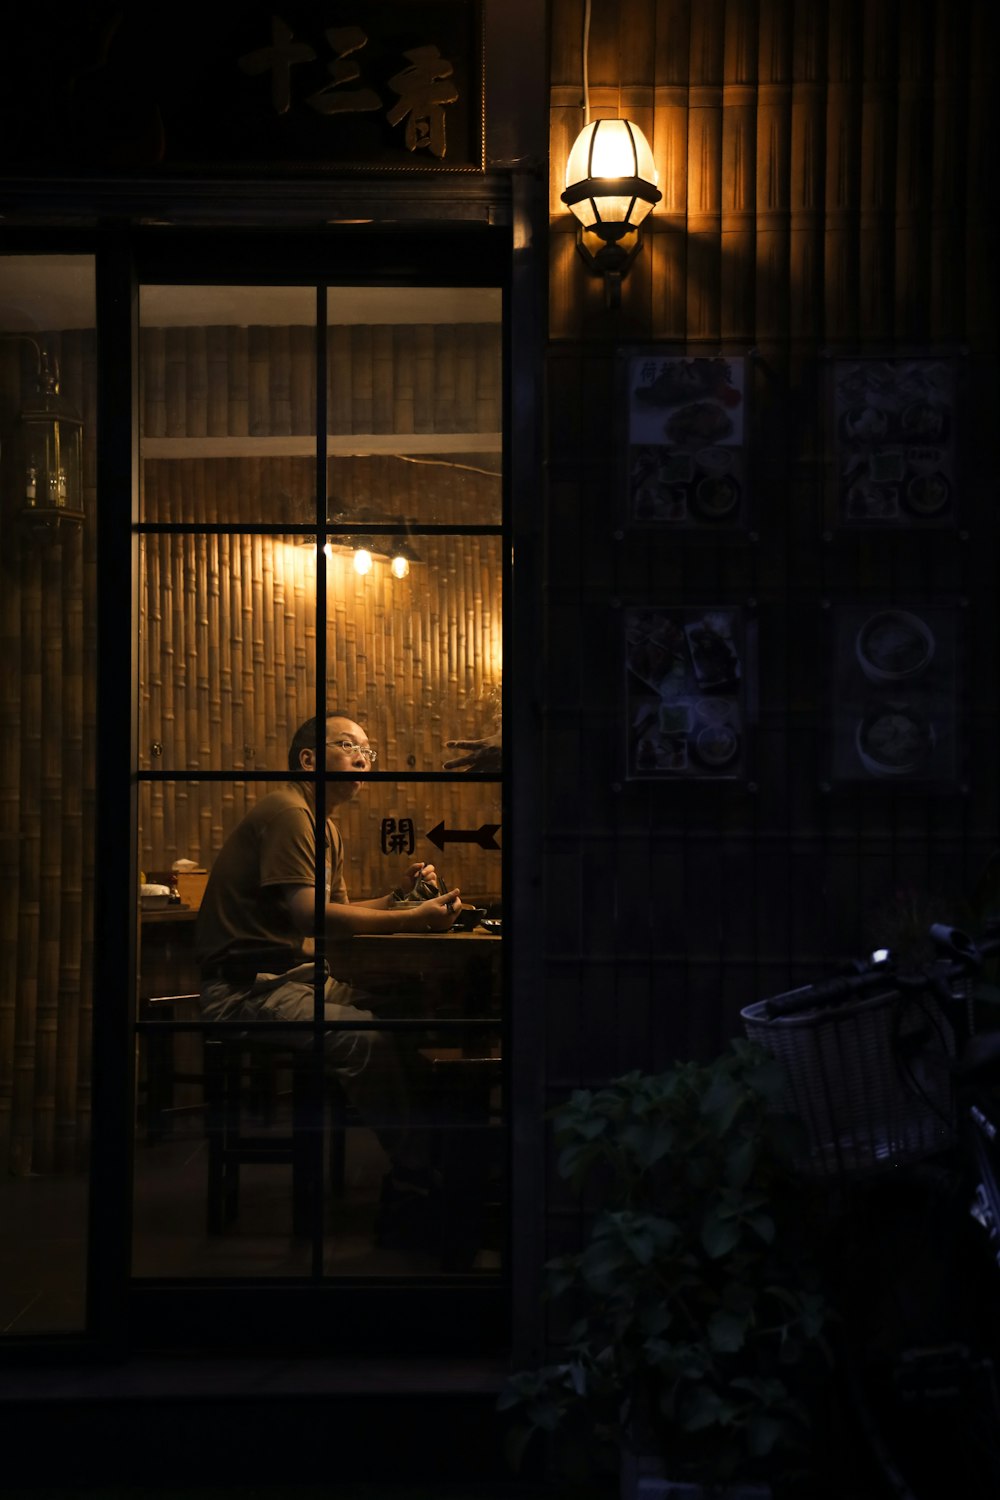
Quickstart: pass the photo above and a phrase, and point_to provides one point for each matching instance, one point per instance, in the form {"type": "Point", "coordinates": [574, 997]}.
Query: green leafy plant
{"type": "Point", "coordinates": [699, 1319]}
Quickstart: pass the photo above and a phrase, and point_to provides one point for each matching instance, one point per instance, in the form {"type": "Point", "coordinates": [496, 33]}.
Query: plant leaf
{"type": "Point", "coordinates": [727, 1331]}
{"type": "Point", "coordinates": [718, 1235]}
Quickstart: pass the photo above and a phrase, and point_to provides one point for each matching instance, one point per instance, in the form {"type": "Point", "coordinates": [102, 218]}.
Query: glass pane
{"type": "Point", "coordinates": [227, 407]}
{"type": "Point", "coordinates": [48, 603]}
{"type": "Point", "coordinates": [227, 631]}
{"type": "Point", "coordinates": [415, 409]}
{"type": "Point", "coordinates": [418, 660]}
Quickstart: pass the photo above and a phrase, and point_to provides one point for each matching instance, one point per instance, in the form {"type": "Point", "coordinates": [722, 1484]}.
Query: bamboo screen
{"type": "Point", "coordinates": [47, 782]}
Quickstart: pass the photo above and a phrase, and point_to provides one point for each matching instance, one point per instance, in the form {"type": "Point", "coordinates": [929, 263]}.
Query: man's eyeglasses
{"type": "Point", "coordinates": [350, 748]}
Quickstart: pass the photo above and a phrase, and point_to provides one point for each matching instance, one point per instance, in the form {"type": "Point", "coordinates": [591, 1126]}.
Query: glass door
{"type": "Point", "coordinates": [319, 1015]}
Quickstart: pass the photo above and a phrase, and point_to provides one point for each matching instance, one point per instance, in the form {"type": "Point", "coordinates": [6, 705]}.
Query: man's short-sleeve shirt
{"type": "Point", "coordinates": [272, 847]}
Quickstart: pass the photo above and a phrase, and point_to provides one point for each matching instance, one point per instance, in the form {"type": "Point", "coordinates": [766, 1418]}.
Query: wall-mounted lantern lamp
{"type": "Point", "coordinates": [611, 188]}
{"type": "Point", "coordinates": [48, 451]}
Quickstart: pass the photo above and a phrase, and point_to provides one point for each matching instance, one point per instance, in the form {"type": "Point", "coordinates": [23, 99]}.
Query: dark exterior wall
{"type": "Point", "coordinates": [829, 185]}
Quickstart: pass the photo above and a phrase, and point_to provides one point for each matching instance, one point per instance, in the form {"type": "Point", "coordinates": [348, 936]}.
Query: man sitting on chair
{"type": "Point", "coordinates": [254, 938]}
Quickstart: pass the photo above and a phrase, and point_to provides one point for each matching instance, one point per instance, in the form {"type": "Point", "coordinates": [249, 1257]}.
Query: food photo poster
{"type": "Point", "coordinates": [686, 692]}
{"type": "Point", "coordinates": [685, 440]}
{"type": "Point", "coordinates": [894, 424]}
{"type": "Point", "coordinates": [895, 710]}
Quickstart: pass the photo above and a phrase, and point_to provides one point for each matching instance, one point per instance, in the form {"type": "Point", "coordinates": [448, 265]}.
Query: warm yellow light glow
{"type": "Point", "coordinates": [328, 550]}
{"type": "Point", "coordinates": [400, 566]}
{"type": "Point", "coordinates": [614, 149]}
{"type": "Point", "coordinates": [362, 561]}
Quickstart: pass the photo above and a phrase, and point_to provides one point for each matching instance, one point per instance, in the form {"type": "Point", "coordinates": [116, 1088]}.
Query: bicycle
{"type": "Point", "coordinates": [898, 1092]}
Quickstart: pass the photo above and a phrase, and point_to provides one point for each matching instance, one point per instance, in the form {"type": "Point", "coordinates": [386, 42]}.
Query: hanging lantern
{"type": "Point", "coordinates": [50, 453]}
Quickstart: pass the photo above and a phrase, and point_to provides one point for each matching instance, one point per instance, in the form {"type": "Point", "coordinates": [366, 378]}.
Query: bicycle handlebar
{"type": "Point", "coordinates": [967, 957]}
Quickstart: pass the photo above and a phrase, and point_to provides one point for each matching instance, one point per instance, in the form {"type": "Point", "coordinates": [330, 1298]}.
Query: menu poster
{"type": "Point", "coordinates": [685, 441]}
{"type": "Point", "coordinates": [894, 423]}
{"type": "Point", "coordinates": [894, 695]}
{"type": "Point", "coordinates": [685, 693]}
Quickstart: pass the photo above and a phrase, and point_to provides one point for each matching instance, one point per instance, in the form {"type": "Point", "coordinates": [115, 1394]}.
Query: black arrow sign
{"type": "Point", "coordinates": [483, 836]}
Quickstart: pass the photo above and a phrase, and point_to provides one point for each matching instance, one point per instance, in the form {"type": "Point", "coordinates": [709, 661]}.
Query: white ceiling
{"type": "Point", "coordinates": [50, 292]}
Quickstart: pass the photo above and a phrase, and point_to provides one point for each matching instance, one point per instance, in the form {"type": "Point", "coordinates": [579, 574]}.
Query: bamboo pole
{"type": "Point", "coordinates": [339, 398]}
{"type": "Point", "coordinates": [382, 378]}
{"type": "Point", "coordinates": [806, 189]}
{"type": "Point", "coordinates": [196, 383]}
{"type": "Point", "coordinates": [914, 123]}
{"type": "Point", "coordinates": [280, 371]}
{"type": "Point", "coordinates": [238, 421]}
{"type": "Point", "coordinates": [773, 165]}
{"type": "Point", "coordinates": [402, 378]}
{"type": "Point", "coordinates": [217, 377]}
{"type": "Point", "coordinates": [10, 796]}
{"type": "Point", "coordinates": [443, 381]}
{"type": "Point", "coordinates": [739, 116]}
{"type": "Point", "coordinates": [302, 380]}
{"type": "Point", "coordinates": [152, 377]}
{"type": "Point", "coordinates": [704, 220]}
{"type": "Point", "coordinates": [947, 164]}
{"type": "Point", "coordinates": [49, 866]}
{"type": "Point", "coordinates": [258, 381]}
{"type": "Point", "coordinates": [20, 1160]}
{"type": "Point", "coordinates": [175, 382]}
{"type": "Point", "coordinates": [878, 163]}
{"type": "Point", "coordinates": [843, 158]}
{"type": "Point", "coordinates": [423, 377]}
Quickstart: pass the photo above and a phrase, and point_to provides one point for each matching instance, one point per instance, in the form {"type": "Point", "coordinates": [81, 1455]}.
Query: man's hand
{"type": "Point", "coordinates": [438, 914]}
{"type": "Point", "coordinates": [483, 755]}
{"type": "Point", "coordinates": [417, 872]}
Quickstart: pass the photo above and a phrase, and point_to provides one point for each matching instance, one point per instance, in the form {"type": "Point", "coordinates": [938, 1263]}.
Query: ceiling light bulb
{"type": "Point", "coordinates": [400, 565]}
{"type": "Point", "coordinates": [328, 551]}
{"type": "Point", "coordinates": [362, 561]}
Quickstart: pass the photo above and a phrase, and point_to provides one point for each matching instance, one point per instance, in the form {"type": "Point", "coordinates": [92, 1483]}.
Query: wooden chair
{"type": "Point", "coordinates": [241, 1091]}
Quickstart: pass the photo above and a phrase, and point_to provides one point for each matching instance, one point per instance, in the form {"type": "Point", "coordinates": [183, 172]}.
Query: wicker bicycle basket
{"type": "Point", "coordinates": [870, 1079]}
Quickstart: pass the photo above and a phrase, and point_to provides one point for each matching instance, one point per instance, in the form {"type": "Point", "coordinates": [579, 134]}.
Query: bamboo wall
{"type": "Point", "coordinates": [47, 780]}
{"type": "Point", "coordinates": [829, 183]}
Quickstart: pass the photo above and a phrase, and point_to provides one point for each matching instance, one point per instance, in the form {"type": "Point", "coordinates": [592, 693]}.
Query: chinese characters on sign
{"type": "Point", "coordinates": [894, 443]}
{"type": "Point", "coordinates": [685, 441]}
{"type": "Point", "coordinates": [685, 693]}
{"type": "Point", "coordinates": [423, 88]}
{"type": "Point", "coordinates": [396, 836]}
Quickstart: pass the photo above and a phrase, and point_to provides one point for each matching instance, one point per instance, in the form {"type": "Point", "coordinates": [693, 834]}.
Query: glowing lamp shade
{"type": "Point", "coordinates": [400, 566]}
{"type": "Point", "coordinates": [610, 189]}
{"type": "Point", "coordinates": [362, 560]}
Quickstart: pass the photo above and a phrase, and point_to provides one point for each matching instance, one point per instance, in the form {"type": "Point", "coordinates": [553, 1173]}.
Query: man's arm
{"type": "Point", "coordinates": [419, 871]}
{"type": "Point", "coordinates": [355, 918]}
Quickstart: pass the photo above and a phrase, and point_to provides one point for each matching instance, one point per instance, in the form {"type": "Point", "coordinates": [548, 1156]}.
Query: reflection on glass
{"type": "Point", "coordinates": [47, 781]}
